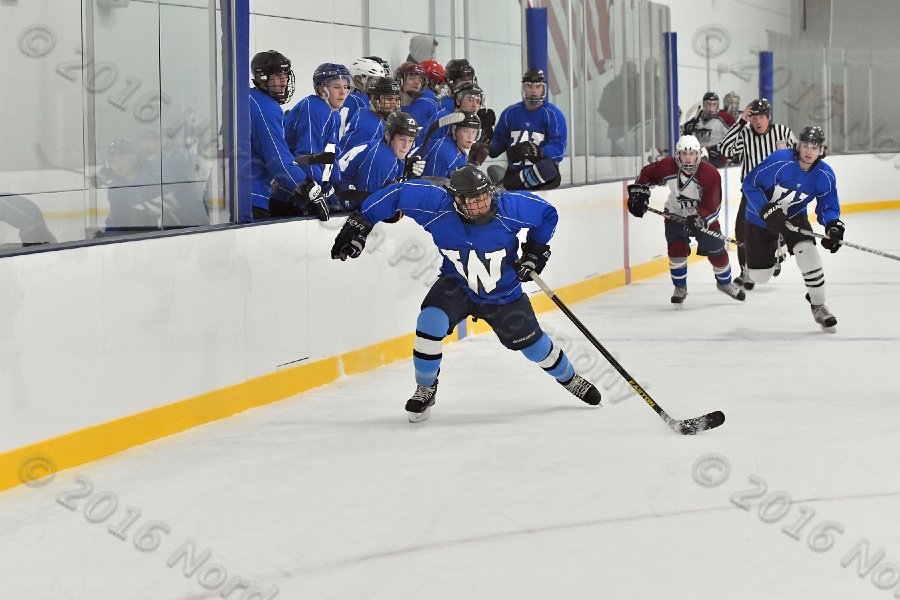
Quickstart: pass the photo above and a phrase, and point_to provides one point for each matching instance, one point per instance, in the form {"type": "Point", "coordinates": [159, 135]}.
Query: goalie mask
{"type": "Point", "coordinates": [687, 145]}
{"type": "Point", "coordinates": [473, 195]}
{"type": "Point", "coordinates": [263, 68]}
{"type": "Point", "coordinates": [534, 86]}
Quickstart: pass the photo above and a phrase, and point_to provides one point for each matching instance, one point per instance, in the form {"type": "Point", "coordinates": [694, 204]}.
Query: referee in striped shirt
{"type": "Point", "coordinates": [753, 138]}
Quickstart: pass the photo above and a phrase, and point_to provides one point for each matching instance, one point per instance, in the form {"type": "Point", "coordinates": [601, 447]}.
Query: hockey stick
{"type": "Point", "coordinates": [319, 158]}
{"type": "Point", "coordinates": [451, 119]}
{"type": "Point", "coordinates": [796, 229]}
{"type": "Point", "coordinates": [685, 427]}
{"type": "Point", "coordinates": [683, 221]}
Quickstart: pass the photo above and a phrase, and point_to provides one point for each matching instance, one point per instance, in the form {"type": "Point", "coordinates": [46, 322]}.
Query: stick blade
{"type": "Point", "coordinates": [451, 119]}
{"type": "Point", "coordinates": [698, 424]}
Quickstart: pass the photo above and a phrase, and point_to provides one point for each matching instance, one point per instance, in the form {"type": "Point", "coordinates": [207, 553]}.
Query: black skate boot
{"type": "Point", "coordinates": [678, 297]}
{"type": "Point", "coordinates": [583, 389]}
{"type": "Point", "coordinates": [822, 316]}
{"type": "Point", "coordinates": [732, 289]}
{"type": "Point", "coordinates": [419, 406]}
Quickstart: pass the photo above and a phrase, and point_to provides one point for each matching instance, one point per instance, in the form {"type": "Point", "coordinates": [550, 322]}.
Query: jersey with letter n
{"type": "Point", "coordinates": [780, 179]}
{"type": "Point", "coordinates": [478, 257]}
{"type": "Point", "coordinates": [698, 194]}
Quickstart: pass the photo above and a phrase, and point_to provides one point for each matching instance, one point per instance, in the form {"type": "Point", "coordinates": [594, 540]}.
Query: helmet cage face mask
{"type": "Point", "coordinates": [529, 80]}
{"type": "Point", "coordinates": [266, 64]}
{"type": "Point", "coordinates": [687, 143]}
{"type": "Point", "coordinates": [472, 190]}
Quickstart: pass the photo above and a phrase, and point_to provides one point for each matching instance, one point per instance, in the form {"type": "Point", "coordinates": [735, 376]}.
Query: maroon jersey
{"type": "Point", "coordinates": [699, 194]}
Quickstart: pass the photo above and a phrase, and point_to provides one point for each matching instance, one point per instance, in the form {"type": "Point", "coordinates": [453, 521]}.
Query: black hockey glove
{"type": "Point", "coordinates": [488, 120]}
{"type": "Point", "coordinates": [318, 202]}
{"type": "Point", "coordinates": [534, 258]}
{"type": "Point", "coordinates": [834, 234]}
{"type": "Point", "coordinates": [638, 199]}
{"type": "Point", "coordinates": [774, 216]}
{"type": "Point", "coordinates": [695, 224]}
{"type": "Point", "coordinates": [478, 153]}
{"type": "Point", "coordinates": [524, 151]}
{"type": "Point", "coordinates": [351, 239]}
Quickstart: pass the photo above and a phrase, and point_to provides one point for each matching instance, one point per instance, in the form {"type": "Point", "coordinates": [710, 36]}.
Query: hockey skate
{"type": "Point", "coordinates": [678, 297]}
{"type": "Point", "coordinates": [419, 406]}
{"type": "Point", "coordinates": [822, 316]}
{"type": "Point", "coordinates": [732, 289]}
{"type": "Point", "coordinates": [582, 388]}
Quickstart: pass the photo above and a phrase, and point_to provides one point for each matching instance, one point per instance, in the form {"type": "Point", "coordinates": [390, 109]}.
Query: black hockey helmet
{"type": "Point", "coordinates": [470, 120]}
{"type": "Point", "coordinates": [470, 182]}
{"type": "Point", "coordinates": [812, 134]}
{"type": "Point", "coordinates": [467, 88]}
{"type": "Point", "coordinates": [534, 76]}
{"type": "Point", "coordinates": [760, 106]}
{"type": "Point", "coordinates": [382, 89]}
{"type": "Point", "coordinates": [400, 123]}
{"type": "Point", "coordinates": [710, 96]}
{"type": "Point", "coordinates": [459, 69]}
{"type": "Point", "coordinates": [269, 63]}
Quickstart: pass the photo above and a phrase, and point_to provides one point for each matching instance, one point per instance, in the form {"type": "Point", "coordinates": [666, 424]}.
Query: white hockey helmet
{"type": "Point", "coordinates": [687, 143]}
{"type": "Point", "coordinates": [363, 71]}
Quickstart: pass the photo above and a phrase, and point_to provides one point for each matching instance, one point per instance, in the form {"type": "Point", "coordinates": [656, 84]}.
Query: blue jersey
{"type": "Point", "coordinates": [545, 126]}
{"type": "Point", "coordinates": [447, 103]}
{"type": "Point", "coordinates": [366, 128]}
{"type": "Point", "coordinates": [422, 109]}
{"type": "Point", "coordinates": [779, 178]}
{"type": "Point", "coordinates": [270, 157]}
{"type": "Point", "coordinates": [312, 127]}
{"type": "Point", "coordinates": [377, 168]}
{"type": "Point", "coordinates": [356, 102]}
{"type": "Point", "coordinates": [443, 156]}
{"type": "Point", "coordinates": [478, 257]}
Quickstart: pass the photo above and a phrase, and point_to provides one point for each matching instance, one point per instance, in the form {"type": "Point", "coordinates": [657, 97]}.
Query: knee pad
{"type": "Point", "coordinates": [761, 275]}
{"type": "Point", "coordinates": [433, 322]}
{"type": "Point", "coordinates": [679, 249]}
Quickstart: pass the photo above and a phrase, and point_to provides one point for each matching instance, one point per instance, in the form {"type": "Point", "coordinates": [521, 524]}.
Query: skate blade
{"type": "Point", "coordinates": [678, 305]}
{"type": "Point", "coordinates": [829, 328]}
{"type": "Point", "coordinates": [415, 417]}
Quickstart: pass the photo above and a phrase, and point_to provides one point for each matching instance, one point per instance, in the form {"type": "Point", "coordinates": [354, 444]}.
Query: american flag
{"type": "Point", "coordinates": [599, 48]}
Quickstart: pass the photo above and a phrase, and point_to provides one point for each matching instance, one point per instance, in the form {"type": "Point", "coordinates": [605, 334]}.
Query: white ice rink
{"type": "Point", "coordinates": [514, 489]}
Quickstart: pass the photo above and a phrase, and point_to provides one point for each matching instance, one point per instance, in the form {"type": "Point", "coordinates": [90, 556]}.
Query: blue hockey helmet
{"type": "Point", "coordinates": [473, 195]}
{"type": "Point", "coordinates": [328, 71]}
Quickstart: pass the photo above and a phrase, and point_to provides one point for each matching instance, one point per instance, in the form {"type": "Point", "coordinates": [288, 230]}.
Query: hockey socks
{"type": "Point", "coordinates": [431, 329]}
{"type": "Point", "coordinates": [550, 358]}
{"type": "Point", "coordinates": [810, 263]}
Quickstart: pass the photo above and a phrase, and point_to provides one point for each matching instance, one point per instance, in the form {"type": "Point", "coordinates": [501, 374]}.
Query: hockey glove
{"type": "Point", "coordinates": [774, 216]}
{"type": "Point", "coordinates": [834, 234]}
{"type": "Point", "coordinates": [638, 199]}
{"type": "Point", "coordinates": [534, 259]}
{"type": "Point", "coordinates": [695, 224]}
{"type": "Point", "coordinates": [351, 239]}
{"type": "Point", "coordinates": [488, 120]}
{"type": "Point", "coordinates": [478, 153]}
{"type": "Point", "coordinates": [523, 151]}
{"type": "Point", "coordinates": [318, 202]}
{"type": "Point", "coordinates": [415, 166]}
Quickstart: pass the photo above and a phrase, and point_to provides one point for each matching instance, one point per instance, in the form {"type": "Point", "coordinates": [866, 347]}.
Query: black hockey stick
{"type": "Point", "coordinates": [796, 229]}
{"type": "Point", "coordinates": [687, 426]}
{"type": "Point", "coordinates": [319, 158]}
{"type": "Point", "coordinates": [451, 119]}
{"type": "Point", "coordinates": [682, 221]}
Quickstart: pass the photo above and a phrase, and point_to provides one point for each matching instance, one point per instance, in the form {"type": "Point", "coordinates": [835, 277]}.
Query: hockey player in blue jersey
{"type": "Point", "coordinates": [367, 126]}
{"type": "Point", "coordinates": [313, 126]}
{"type": "Point", "coordinates": [778, 191]}
{"type": "Point", "coordinates": [271, 159]}
{"type": "Point", "coordinates": [447, 154]}
{"type": "Point", "coordinates": [385, 161]}
{"type": "Point", "coordinates": [363, 72]}
{"type": "Point", "coordinates": [475, 228]}
{"type": "Point", "coordinates": [412, 84]}
{"type": "Point", "coordinates": [457, 72]}
{"type": "Point", "coordinates": [533, 134]}
{"type": "Point", "coordinates": [469, 97]}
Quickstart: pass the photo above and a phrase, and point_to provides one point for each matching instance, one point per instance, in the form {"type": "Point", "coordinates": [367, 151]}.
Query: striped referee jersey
{"type": "Point", "coordinates": [751, 148]}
